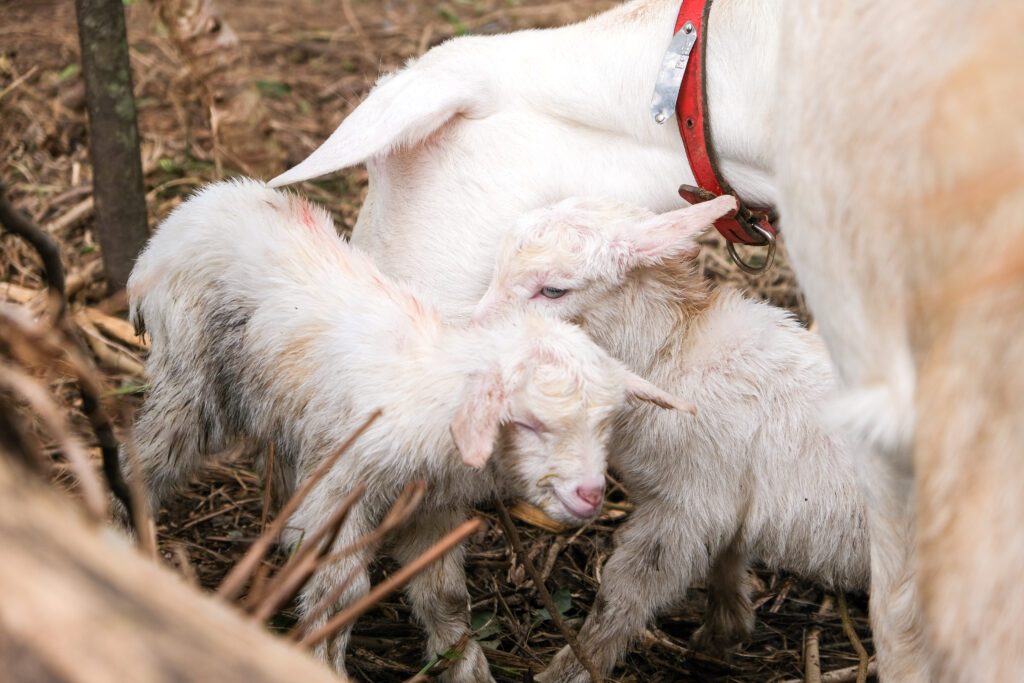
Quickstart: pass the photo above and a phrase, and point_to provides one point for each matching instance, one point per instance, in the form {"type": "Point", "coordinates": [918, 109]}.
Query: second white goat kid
{"type": "Point", "coordinates": [755, 476]}
{"type": "Point", "coordinates": [267, 325]}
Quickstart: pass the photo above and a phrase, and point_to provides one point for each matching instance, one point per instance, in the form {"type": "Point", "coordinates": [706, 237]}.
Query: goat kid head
{"type": "Point", "coordinates": [549, 409]}
{"type": "Point", "coordinates": [563, 260]}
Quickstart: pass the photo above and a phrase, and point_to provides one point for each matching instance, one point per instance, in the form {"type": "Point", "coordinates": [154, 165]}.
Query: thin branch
{"type": "Point", "coordinates": [851, 633]}
{"type": "Point", "coordinates": [401, 509]}
{"type": "Point", "coordinates": [47, 247]}
{"type": "Point", "coordinates": [299, 568]}
{"type": "Point", "coordinates": [812, 660]}
{"type": "Point", "coordinates": [542, 591]}
{"type": "Point", "coordinates": [268, 486]}
{"type": "Point", "coordinates": [232, 585]}
{"type": "Point", "coordinates": [18, 382]}
{"type": "Point", "coordinates": [393, 582]}
{"type": "Point", "coordinates": [845, 675]}
{"type": "Point", "coordinates": [89, 387]}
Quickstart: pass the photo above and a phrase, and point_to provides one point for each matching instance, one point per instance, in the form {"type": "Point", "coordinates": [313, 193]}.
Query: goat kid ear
{"type": "Point", "coordinates": [640, 389]}
{"type": "Point", "coordinates": [475, 425]}
{"type": "Point", "coordinates": [675, 233]}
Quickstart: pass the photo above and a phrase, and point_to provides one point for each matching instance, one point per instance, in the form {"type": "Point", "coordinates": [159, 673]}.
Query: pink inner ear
{"type": "Point", "coordinates": [474, 427]}
{"type": "Point", "coordinates": [675, 232]}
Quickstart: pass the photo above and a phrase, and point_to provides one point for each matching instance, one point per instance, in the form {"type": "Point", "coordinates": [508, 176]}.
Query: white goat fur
{"type": "Point", "coordinates": [756, 476]}
{"type": "Point", "coordinates": [265, 324]}
{"type": "Point", "coordinates": [893, 152]}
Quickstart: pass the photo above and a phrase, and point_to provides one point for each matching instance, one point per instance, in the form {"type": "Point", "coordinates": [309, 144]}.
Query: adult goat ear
{"type": "Point", "coordinates": [675, 233]}
{"type": "Point", "coordinates": [640, 389]}
{"type": "Point", "coordinates": [475, 425]}
{"type": "Point", "coordinates": [402, 110]}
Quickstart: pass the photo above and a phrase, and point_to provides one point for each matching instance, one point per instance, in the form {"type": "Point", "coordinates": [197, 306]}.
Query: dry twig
{"type": "Point", "coordinates": [851, 633]}
{"type": "Point", "coordinates": [402, 508]}
{"type": "Point", "coordinates": [393, 582]}
{"type": "Point", "coordinates": [301, 566]}
{"type": "Point", "coordinates": [542, 591]}
{"type": "Point", "coordinates": [240, 573]}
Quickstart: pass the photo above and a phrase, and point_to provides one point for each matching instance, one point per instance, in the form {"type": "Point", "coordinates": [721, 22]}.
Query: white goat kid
{"type": "Point", "coordinates": [543, 115]}
{"type": "Point", "coordinates": [755, 476]}
{"type": "Point", "coordinates": [266, 325]}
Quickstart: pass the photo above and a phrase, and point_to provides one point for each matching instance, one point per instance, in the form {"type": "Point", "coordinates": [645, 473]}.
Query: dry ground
{"type": "Point", "coordinates": [310, 64]}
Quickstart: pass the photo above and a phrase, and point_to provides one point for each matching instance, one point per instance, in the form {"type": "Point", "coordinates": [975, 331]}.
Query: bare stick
{"type": "Point", "coordinates": [851, 633]}
{"type": "Point", "coordinates": [542, 591]}
{"type": "Point", "coordinates": [407, 502]}
{"type": "Point", "coordinates": [298, 569]}
{"type": "Point", "coordinates": [301, 628]}
{"type": "Point", "coordinates": [400, 510]}
{"type": "Point", "coordinates": [393, 582]}
{"type": "Point", "coordinates": [136, 504]}
{"type": "Point", "coordinates": [45, 246]}
{"type": "Point", "coordinates": [49, 252]}
{"type": "Point", "coordinates": [268, 485]}
{"type": "Point", "coordinates": [845, 675]}
{"type": "Point", "coordinates": [20, 383]}
{"type": "Point", "coordinates": [812, 661]}
{"type": "Point", "coordinates": [357, 27]}
{"type": "Point", "coordinates": [232, 585]}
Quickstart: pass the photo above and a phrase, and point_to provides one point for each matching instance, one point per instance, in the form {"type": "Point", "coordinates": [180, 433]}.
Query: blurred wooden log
{"type": "Point", "coordinates": [80, 604]}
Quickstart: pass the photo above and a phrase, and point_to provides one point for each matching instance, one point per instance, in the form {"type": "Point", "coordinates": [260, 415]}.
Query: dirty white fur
{"type": "Point", "coordinates": [756, 476]}
{"type": "Point", "coordinates": [266, 325]}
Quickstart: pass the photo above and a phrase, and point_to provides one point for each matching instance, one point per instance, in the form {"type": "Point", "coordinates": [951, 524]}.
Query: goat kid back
{"type": "Point", "coordinates": [266, 325]}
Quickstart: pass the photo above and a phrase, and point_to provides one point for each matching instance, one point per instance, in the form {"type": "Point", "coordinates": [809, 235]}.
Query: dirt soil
{"type": "Point", "coordinates": [304, 65]}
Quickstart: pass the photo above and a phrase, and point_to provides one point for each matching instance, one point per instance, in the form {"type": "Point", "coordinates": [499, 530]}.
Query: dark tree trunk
{"type": "Point", "coordinates": [114, 137]}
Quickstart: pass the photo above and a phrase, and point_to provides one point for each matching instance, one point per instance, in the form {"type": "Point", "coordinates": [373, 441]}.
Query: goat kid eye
{"type": "Point", "coordinates": [553, 292]}
{"type": "Point", "coordinates": [535, 429]}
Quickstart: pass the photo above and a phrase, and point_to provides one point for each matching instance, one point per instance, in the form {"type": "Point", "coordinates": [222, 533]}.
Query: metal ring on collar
{"type": "Point", "coordinates": [769, 259]}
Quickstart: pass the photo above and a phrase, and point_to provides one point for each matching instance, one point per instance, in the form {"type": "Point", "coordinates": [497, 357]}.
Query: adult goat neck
{"type": "Point", "coordinates": [868, 128]}
{"type": "Point", "coordinates": [479, 130]}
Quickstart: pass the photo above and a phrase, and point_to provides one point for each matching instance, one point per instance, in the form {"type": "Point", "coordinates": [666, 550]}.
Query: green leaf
{"type": "Point", "coordinates": [453, 19]}
{"type": "Point", "coordinates": [447, 654]}
{"type": "Point", "coordinates": [168, 165]}
{"type": "Point", "coordinates": [274, 89]}
{"type": "Point", "coordinates": [484, 624]}
{"type": "Point", "coordinates": [562, 600]}
{"type": "Point", "coordinates": [127, 389]}
{"type": "Point", "coordinates": [68, 72]}
{"type": "Point", "coordinates": [295, 546]}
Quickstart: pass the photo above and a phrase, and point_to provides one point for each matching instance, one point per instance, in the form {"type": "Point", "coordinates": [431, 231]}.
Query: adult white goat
{"type": "Point", "coordinates": [888, 134]}
{"type": "Point", "coordinates": [757, 475]}
{"type": "Point", "coordinates": [266, 325]}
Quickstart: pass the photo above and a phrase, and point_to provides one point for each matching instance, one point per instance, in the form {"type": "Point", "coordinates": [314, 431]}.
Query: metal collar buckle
{"type": "Point", "coordinates": [769, 259]}
{"type": "Point", "coordinates": [753, 227]}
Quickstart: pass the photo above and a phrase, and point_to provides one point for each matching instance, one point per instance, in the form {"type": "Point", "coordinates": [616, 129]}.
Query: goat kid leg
{"type": "Point", "coordinates": [324, 582]}
{"type": "Point", "coordinates": [729, 617]}
{"type": "Point", "coordinates": [166, 455]}
{"type": "Point", "coordinates": [652, 566]}
{"type": "Point", "coordinates": [438, 594]}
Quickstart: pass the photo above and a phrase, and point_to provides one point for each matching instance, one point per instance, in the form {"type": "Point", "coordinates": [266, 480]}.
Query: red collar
{"type": "Point", "coordinates": [749, 225]}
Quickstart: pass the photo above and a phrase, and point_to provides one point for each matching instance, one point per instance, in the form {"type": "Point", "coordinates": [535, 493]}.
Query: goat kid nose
{"type": "Point", "coordinates": [591, 494]}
